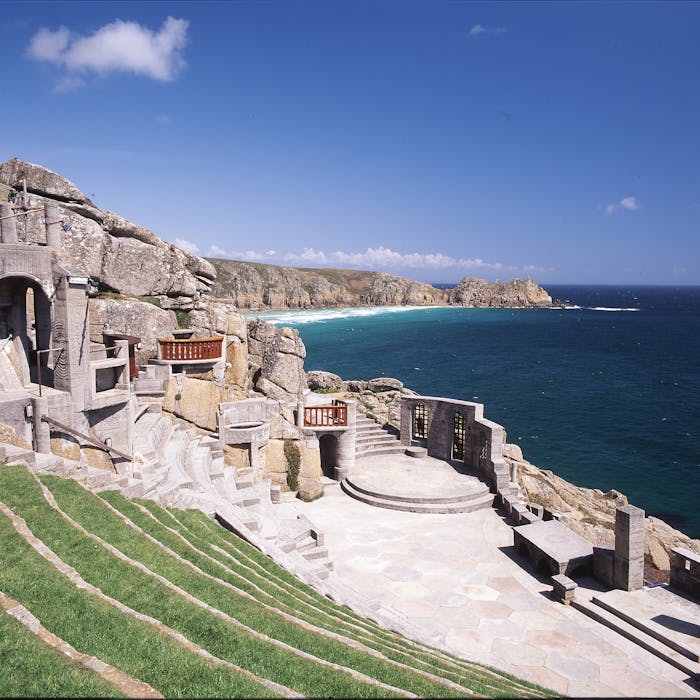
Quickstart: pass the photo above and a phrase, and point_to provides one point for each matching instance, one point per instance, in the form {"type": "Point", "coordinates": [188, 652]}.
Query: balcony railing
{"type": "Point", "coordinates": [326, 416]}
{"type": "Point", "coordinates": [190, 349]}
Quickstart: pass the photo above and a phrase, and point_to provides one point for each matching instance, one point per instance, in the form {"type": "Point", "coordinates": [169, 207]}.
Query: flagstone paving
{"type": "Point", "coordinates": [458, 579]}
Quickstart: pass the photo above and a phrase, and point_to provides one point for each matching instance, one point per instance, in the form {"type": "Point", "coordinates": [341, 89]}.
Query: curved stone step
{"type": "Point", "coordinates": [393, 503]}
{"type": "Point", "coordinates": [459, 497]}
{"type": "Point", "coordinates": [398, 449]}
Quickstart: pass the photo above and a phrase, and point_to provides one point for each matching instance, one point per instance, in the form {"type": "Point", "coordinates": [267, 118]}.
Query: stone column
{"type": "Point", "coordinates": [52, 221]}
{"type": "Point", "coordinates": [42, 432]}
{"type": "Point", "coordinates": [345, 461]}
{"type": "Point", "coordinates": [8, 224]}
{"type": "Point", "coordinates": [628, 569]}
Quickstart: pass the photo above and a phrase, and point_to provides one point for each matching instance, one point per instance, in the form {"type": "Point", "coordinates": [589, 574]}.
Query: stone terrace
{"type": "Point", "coordinates": [458, 581]}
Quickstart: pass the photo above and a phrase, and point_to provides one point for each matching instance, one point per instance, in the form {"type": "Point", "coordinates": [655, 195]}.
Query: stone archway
{"type": "Point", "coordinates": [328, 446]}
{"type": "Point", "coordinates": [25, 315]}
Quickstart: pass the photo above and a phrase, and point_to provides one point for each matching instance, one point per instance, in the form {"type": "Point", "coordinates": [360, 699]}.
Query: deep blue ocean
{"type": "Point", "coordinates": [606, 393]}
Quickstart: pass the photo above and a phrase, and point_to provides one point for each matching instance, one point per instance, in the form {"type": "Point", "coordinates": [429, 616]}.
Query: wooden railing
{"type": "Point", "coordinates": [190, 349]}
{"type": "Point", "coordinates": [326, 416]}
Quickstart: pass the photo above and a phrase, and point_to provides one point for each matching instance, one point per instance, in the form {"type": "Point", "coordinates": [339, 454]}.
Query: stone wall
{"type": "Point", "coordinates": [483, 450]}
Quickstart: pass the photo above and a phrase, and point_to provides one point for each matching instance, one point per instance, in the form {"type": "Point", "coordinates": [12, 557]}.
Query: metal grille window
{"type": "Point", "coordinates": [420, 422]}
{"type": "Point", "coordinates": [458, 436]}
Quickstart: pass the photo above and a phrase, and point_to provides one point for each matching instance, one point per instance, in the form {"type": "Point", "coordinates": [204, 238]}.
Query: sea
{"type": "Point", "coordinates": [604, 392]}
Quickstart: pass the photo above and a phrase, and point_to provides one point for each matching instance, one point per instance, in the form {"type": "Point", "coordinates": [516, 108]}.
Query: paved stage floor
{"type": "Point", "coordinates": [424, 478]}
{"type": "Point", "coordinates": [457, 578]}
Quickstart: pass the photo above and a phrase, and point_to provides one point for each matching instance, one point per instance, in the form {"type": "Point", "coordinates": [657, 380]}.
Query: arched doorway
{"type": "Point", "coordinates": [25, 321]}
{"type": "Point", "coordinates": [328, 447]}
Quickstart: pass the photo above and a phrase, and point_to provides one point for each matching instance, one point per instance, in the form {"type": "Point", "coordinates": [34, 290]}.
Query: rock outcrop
{"type": "Point", "coordinates": [132, 317]}
{"type": "Point", "coordinates": [591, 512]}
{"type": "Point", "coordinates": [276, 359]}
{"type": "Point", "coordinates": [121, 256]}
{"type": "Point", "coordinates": [472, 291]}
{"type": "Point", "coordinates": [324, 381]}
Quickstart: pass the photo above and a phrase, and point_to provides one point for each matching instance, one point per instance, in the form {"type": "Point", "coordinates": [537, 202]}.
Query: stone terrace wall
{"type": "Point", "coordinates": [484, 440]}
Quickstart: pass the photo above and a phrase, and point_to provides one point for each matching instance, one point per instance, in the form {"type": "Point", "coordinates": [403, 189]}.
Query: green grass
{"type": "Point", "coordinates": [147, 595]}
{"type": "Point", "coordinates": [101, 521]}
{"type": "Point", "coordinates": [305, 602]}
{"type": "Point", "coordinates": [245, 568]}
{"type": "Point", "coordinates": [97, 628]}
{"type": "Point", "coordinates": [31, 668]}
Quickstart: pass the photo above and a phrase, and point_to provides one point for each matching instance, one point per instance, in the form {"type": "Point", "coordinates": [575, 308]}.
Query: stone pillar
{"type": "Point", "coordinates": [52, 221]}
{"type": "Point", "coordinates": [406, 419]}
{"type": "Point", "coordinates": [345, 461]}
{"type": "Point", "coordinates": [8, 224]}
{"type": "Point", "coordinates": [628, 569]}
{"type": "Point", "coordinates": [42, 432]}
{"type": "Point", "coordinates": [300, 414]}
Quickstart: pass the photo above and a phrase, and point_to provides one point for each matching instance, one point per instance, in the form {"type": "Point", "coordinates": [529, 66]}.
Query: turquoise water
{"type": "Point", "coordinates": [606, 394]}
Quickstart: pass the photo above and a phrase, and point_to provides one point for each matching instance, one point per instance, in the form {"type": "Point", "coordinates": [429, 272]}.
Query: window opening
{"type": "Point", "coordinates": [420, 423]}
{"type": "Point", "coordinates": [458, 436]}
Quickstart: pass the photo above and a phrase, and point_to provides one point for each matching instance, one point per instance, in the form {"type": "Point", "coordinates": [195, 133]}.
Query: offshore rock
{"type": "Point", "coordinates": [472, 291]}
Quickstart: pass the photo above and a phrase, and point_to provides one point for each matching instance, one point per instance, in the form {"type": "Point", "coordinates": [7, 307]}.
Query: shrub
{"type": "Point", "coordinates": [292, 455]}
{"type": "Point", "coordinates": [181, 318]}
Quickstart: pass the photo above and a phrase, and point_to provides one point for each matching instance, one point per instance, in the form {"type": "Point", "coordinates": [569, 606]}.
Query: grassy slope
{"type": "Point", "coordinates": [96, 628]}
{"type": "Point", "coordinates": [31, 668]}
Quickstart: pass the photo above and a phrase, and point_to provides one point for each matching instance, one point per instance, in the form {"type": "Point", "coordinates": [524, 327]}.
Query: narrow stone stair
{"type": "Point", "coordinates": [655, 642]}
{"type": "Point", "coordinates": [371, 439]}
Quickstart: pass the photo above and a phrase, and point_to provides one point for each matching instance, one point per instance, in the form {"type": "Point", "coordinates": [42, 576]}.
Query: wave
{"type": "Point", "coordinates": [322, 315]}
{"type": "Point", "coordinates": [576, 307]}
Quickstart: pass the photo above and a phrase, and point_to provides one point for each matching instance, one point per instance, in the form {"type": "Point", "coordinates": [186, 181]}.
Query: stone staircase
{"type": "Point", "coordinates": [656, 638]}
{"type": "Point", "coordinates": [371, 439]}
{"type": "Point", "coordinates": [147, 383]}
{"type": "Point", "coordinates": [177, 466]}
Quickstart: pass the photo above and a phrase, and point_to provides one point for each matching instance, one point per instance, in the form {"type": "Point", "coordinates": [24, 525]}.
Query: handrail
{"type": "Point", "coordinates": [87, 438]}
{"type": "Point", "coordinates": [326, 416]}
{"type": "Point", "coordinates": [187, 349]}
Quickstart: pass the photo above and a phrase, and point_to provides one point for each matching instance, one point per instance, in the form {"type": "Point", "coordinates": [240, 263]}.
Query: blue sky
{"type": "Point", "coordinates": [433, 139]}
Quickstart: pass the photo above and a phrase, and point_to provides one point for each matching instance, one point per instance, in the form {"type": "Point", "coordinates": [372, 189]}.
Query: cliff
{"type": "Point", "coordinates": [121, 256]}
{"type": "Point", "coordinates": [260, 286]}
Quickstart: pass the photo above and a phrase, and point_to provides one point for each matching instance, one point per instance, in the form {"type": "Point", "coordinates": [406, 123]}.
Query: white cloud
{"type": "Point", "coordinates": [380, 258]}
{"type": "Point", "coordinates": [119, 46]}
{"type": "Point", "coordinates": [47, 45]}
{"type": "Point", "coordinates": [628, 203]}
{"type": "Point", "coordinates": [189, 247]}
{"type": "Point", "coordinates": [478, 29]}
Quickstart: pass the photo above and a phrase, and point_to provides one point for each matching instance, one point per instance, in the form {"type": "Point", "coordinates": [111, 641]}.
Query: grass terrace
{"type": "Point", "coordinates": [173, 600]}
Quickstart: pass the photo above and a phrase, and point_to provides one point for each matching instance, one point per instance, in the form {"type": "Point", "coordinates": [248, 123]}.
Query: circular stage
{"type": "Point", "coordinates": [424, 485]}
